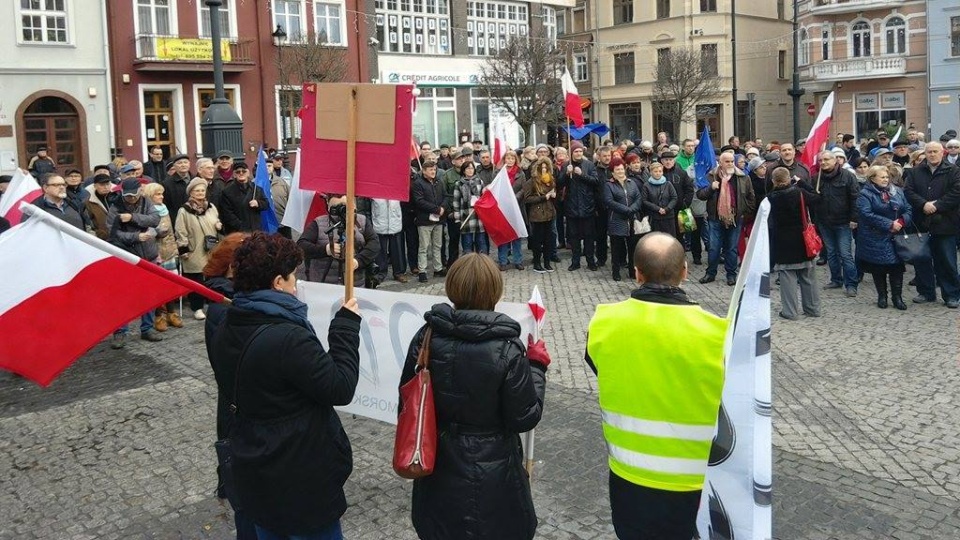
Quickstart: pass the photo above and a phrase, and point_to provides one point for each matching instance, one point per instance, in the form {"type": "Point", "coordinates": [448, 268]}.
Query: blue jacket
{"type": "Point", "coordinates": [874, 239]}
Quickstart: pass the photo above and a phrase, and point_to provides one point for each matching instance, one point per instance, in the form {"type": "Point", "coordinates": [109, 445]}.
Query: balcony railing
{"type": "Point", "coordinates": [827, 7]}
{"type": "Point", "coordinates": [854, 68]}
{"type": "Point", "coordinates": [160, 48]}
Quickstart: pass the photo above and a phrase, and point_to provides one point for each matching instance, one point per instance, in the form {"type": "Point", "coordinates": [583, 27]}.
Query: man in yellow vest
{"type": "Point", "coordinates": [659, 363]}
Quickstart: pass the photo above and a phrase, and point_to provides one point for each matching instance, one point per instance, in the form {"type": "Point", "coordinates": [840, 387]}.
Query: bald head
{"type": "Point", "coordinates": [660, 260]}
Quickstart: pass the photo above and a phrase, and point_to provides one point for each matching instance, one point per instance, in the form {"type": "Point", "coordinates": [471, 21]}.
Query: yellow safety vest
{"type": "Point", "coordinates": [660, 377]}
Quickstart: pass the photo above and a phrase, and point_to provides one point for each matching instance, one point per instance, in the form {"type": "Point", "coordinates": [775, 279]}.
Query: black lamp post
{"type": "Point", "coordinates": [221, 128]}
{"type": "Point", "coordinates": [279, 37]}
{"type": "Point", "coordinates": [795, 91]}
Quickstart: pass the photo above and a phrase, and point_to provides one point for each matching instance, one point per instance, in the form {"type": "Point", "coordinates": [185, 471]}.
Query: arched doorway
{"type": "Point", "coordinates": [54, 122]}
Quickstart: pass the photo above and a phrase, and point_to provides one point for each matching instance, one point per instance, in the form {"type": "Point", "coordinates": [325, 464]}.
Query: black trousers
{"type": "Point", "coordinates": [582, 236]}
{"type": "Point", "coordinates": [601, 232]}
{"type": "Point", "coordinates": [453, 243]}
{"type": "Point", "coordinates": [642, 513]}
{"type": "Point", "coordinates": [896, 282]}
{"type": "Point", "coordinates": [411, 240]}
{"type": "Point", "coordinates": [699, 237]}
{"type": "Point", "coordinates": [621, 252]}
{"type": "Point", "coordinates": [542, 242]}
{"type": "Point", "coordinates": [390, 252]}
{"type": "Point", "coordinates": [195, 300]}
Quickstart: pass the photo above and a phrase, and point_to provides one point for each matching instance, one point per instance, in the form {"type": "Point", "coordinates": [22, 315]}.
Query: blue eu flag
{"type": "Point", "coordinates": [704, 159]}
{"type": "Point", "coordinates": [268, 217]}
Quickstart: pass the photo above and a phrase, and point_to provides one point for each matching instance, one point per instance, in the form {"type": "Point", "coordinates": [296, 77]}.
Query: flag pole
{"type": "Point", "coordinates": [347, 262]}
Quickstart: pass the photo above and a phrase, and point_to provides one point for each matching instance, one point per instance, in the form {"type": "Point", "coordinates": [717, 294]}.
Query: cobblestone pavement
{"type": "Point", "coordinates": [865, 430]}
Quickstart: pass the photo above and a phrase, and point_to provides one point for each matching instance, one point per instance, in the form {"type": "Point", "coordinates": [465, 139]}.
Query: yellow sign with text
{"type": "Point", "coordinates": [191, 50]}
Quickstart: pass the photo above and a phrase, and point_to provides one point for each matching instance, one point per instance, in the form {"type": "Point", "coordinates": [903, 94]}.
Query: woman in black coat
{"type": "Point", "coordinates": [660, 201]}
{"type": "Point", "coordinates": [291, 456]}
{"type": "Point", "coordinates": [788, 251]}
{"type": "Point", "coordinates": [487, 389]}
{"type": "Point", "coordinates": [621, 197]}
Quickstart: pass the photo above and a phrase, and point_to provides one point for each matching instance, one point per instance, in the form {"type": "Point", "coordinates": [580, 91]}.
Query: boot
{"type": "Point", "coordinates": [880, 282]}
{"type": "Point", "coordinates": [174, 319]}
{"type": "Point", "coordinates": [160, 322]}
{"type": "Point", "coordinates": [616, 273]}
{"type": "Point", "coordinates": [537, 267]}
{"type": "Point", "coordinates": [896, 291]}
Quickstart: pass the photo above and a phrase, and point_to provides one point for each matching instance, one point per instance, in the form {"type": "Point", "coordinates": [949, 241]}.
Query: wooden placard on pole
{"type": "Point", "coordinates": [348, 255]}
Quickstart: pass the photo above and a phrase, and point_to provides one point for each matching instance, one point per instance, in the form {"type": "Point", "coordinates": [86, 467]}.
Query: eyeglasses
{"type": "Point", "coordinates": [953, 148]}
{"type": "Point", "coordinates": [57, 185]}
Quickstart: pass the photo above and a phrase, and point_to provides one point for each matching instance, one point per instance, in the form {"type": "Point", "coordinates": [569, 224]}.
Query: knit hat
{"type": "Point", "coordinates": [194, 183]}
{"type": "Point", "coordinates": [755, 163]}
{"type": "Point", "coordinates": [574, 145]}
{"type": "Point", "coordinates": [838, 152]}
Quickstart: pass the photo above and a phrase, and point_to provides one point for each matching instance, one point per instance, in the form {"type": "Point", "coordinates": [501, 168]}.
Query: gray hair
{"type": "Point", "coordinates": [204, 161]}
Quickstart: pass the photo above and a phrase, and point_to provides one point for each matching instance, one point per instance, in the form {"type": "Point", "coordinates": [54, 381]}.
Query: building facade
{"type": "Point", "coordinates": [162, 63]}
{"type": "Point", "coordinates": [54, 88]}
{"type": "Point", "coordinates": [441, 45]}
{"type": "Point", "coordinates": [873, 54]}
{"type": "Point", "coordinates": [943, 32]}
{"type": "Point", "coordinates": [630, 35]}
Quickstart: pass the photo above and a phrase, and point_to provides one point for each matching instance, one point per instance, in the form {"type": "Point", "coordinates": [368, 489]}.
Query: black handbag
{"type": "Point", "coordinates": [209, 242]}
{"type": "Point", "coordinates": [912, 248]}
{"type": "Point", "coordinates": [222, 446]}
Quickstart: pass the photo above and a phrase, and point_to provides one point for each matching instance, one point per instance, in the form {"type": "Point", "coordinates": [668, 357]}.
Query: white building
{"type": "Point", "coordinates": [54, 86]}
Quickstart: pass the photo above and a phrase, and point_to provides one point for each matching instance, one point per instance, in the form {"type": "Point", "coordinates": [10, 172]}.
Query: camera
{"type": "Point", "coordinates": [338, 212]}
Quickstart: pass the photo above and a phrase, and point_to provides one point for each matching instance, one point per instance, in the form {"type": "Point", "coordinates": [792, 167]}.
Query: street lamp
{"type": "Point", "coordinates": [221, 128]}
{"type": "Point", "coordinates": [279, 36]}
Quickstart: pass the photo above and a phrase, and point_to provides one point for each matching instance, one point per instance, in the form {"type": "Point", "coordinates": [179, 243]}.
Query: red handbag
{"type": "Point", "coordinates": [811, 240]}
{"type": "Point", "coordinates": [415, 447]}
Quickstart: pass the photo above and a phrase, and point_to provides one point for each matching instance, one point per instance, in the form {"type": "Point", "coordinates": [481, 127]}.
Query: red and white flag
{"type": "Point", "coordinates": [303, 205]}
{"type": "Point", "coordinates": [23, 188]}
{"type": "Point", "coordinates": [538, 309]}
{"type": "Point", "coordinates": [571, 98]}
{"type": "Point", "coordinates": [819, 135]}
{"type": "Point", "coordinates": [499, 211]}
{"type": "Point", "coordinates": [52, 270]}
{"type": "Point", "coordinates": [498, 139]}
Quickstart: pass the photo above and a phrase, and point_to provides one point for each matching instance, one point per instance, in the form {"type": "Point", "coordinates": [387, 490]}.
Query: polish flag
{"type": "Point", "coordinates": [538, 309]}
{"type": "Point", "coordinates": [414, 148]}
{"type": "Point", "coordinates": [572, 99]}
{"type": "Point", "coordinates": [303, 205]}
{"type": "Point", "coordinates": [23, 188]}
{"type": "Point", "coordinates": [50, 269]}
{"type": "Point", "coordinates": [499, 211]}
{"type": "Point", "coordinates": [498, 139]}
{"type": "Point", "coordinates": [819, 135]}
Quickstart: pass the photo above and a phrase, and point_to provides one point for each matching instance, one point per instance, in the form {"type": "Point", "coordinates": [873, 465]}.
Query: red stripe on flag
{"type": "Point", "coordinates": [177, 279]}
{"type": "Point", "coordinates": [43, 347]}
{"type": "Point", "coordinates": [573, 109]}
{"type": "Point", "coordinates": [496, 224]}
{"type": "Point", "coordinates": [14, 215]}
{"type": "Point", "coordinates": [538, 311]}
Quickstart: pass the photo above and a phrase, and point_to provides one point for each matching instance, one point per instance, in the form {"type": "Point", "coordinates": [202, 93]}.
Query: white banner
{"type": "Point", "coordinates": [737, 492]}
{"type": "Point", "coordinates": [390, 320]}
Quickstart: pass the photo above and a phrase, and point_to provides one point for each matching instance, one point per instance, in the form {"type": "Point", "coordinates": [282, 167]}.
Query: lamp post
{"type": "Point", "coordinates": [221, 128]}
{"type": "Point", "coordinates": [279, 37]}
{"type": "Point", "coordinates": [795, 91]}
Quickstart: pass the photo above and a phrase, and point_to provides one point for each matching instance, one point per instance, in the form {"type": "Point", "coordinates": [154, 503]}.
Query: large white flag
{"type": "Point", "coordinates": [303, 205]}
{"type": "Point", "coordinates": [737, 492]}
{"type": "Point", "coordinates": [23, 188]}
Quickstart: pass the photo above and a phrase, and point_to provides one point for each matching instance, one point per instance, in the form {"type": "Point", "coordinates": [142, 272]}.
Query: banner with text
{"type": "Point", "coordinates": [390, 320]}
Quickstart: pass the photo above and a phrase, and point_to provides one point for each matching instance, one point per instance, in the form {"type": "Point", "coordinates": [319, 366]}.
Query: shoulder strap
{"type": "Point", "coordinates": [804, 219]}
{"type": "Point", "coordinates": [423, 357]}
{"type": "Point", "coordinates": [236, 380]}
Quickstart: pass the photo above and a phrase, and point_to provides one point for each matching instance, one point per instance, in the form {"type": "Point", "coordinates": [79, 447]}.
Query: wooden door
{"type": "Point", "coordinates": [158, 121]}
{"type": "Point", "coordinates": [54, 123]}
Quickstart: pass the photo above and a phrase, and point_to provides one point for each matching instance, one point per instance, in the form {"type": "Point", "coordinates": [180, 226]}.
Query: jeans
{"type": "Point", "coordinates": [722, 238]}
{"type": "Point", "coordinates": [146, 324]}
{"type": "Point", "coordinates": [942, 268]}
{"type": "Point", "coordinates": [838, 242]}
{"type": "Point", "coordinates": [580, 232]}
{"type": "Point", "coordinates": [514, 248]}
{"type": "Point", "coordinates": [430, 243]}
{"type": "Point", "coordinates": [474, 242]}
{"type": "Point", "coordinates": [390, 248]}
{"type": "Point", "coordinates": [332, 532]}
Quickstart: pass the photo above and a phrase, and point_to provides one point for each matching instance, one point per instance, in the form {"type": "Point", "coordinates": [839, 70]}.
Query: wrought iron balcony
{"type": "Point", "coordinates": [165, 52]}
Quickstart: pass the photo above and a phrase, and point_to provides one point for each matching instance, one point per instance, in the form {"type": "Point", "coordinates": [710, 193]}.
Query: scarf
{"type": "Point", "coordinates": [275, 303]}
{"type": "Point", "coordinates": [725, 201]}
{"type": "Point", "coordinates": [545, 180]}
{"type": "Point", "coordinates": [225, 174]}
{"type": "Point", "coordinates": [512, 172]}
{"type": "Point", "coordinates": [162, 209]}
{"type": "Point", "coordinates": [197, 207]}
{"type": "Point", "coordinates": [655, 182]}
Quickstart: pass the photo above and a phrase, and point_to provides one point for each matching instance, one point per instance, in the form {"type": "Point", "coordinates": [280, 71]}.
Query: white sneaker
{"type": "Point", "coordinates": [199, 315]}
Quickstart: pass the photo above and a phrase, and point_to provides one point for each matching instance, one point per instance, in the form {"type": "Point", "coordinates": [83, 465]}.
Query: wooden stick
{"type": "Point", "coordinates": [348, 255]}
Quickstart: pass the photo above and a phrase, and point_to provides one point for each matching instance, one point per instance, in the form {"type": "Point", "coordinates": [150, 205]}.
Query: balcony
{"type": "Point", "coordinates": [182, 53]}
{"type": "Point", "coordinates": [859, 68]}
{"type": "Point", "coordinates": [833, 7]}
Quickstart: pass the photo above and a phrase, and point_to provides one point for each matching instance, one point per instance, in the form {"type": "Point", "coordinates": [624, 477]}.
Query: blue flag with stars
{"type": "Point", "coordinates": [704, 159]}
{"type": "Point", "coordinates": [268, 216]}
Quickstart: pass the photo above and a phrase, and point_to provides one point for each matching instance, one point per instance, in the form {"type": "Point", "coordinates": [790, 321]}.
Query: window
{"type": "Point", "coordinates": [287, 14]}
{"type": "Point", "coordinates": [561, 22]}
{"type": "Point", "coordinates": [625, 120]}
{"type": "Point", "coordinates": [549, 18]}
{"type": "Point", "coordinates": [709, 116]}
{"type": "Point", "coordinates": [579, 21]}
{"type": "Point", "coordinates": [623, 67]}
{"type": "Point", "coordinates": [329, 21]}
{"type": "Point", "coordinates": [436, 117]}
{"type": "Point", "coordinates": [288, 103]}
{"type": "Point", "coordinates": [400, 29]}
{"type": "Point", "coordinates": [708, 59]}
{"type": "Point", "coordinates": [622, 11]}
{"type": "Point", "coordinates": [489, 29]}
{"type": "Point", "coordinates": [153, 17]}
{"type": "Point", "coordinates": [825, 37]}
{"type": "Point", "coordinates": [206, 95]}
{"type": "Point", "coordinates": [781, 10]}
{"type": "Point", "coordinates": [581, 71]}
{"type": "Point", "coordinates": [861, 39]}
{"type": "Point", "coordinates": [896, 36]}
{"type": "Point", "coordinates": [226, 29]}
{"type": "Point", "coordinates": [874, 111]}
{"type": "Point", "coordinates": [954, 36]}
{"type": "Point", "coordinates": [663, 59]}
{"type": "Point", "coordinates": [781, 64]}
{"type": "Point", "coordinates": [44, 21]}
{"type": "Point", "coordinates": [663, 9]}
{"type": "Point", "coordinates": [804, 40]}
{"type": "Point", "coordinates": [708, 6]}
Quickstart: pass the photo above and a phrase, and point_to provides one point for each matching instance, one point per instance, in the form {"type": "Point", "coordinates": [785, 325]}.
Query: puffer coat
{"type": "Point", "coordinates": [486, 393]}
{"type": "Point", "coordinates": [874, 239]}
{"type": "Point", "coordinates": [323, 268]}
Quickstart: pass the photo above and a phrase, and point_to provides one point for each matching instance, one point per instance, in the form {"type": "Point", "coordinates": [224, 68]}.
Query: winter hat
{"type": "Point", "coordinates": [755, 163]}
{"type": "Point", "coordinates": [838, 152]}
{"type": "Point", "coordinates": [574, 145]}
{"type": "Point", "coordinates": [194, 183]}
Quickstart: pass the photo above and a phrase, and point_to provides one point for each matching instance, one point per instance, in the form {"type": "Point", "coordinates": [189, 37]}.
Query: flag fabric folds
{"type": "Point", "coordinates": [538, 309]}
{"type": "Point", "coordinates": [303, 206]}
{"type": "Point", "coordinates": [571, 97]}
{"type": "Point", "coordinates": [50, 269]}
{"type": "Point", "coordinates": [819, 135]}
{"type": "Point", "coordinates": [498, 139]}
{"type": "Point", "coordinates": [499, 211]}
{"type": "Point", "coordinates": [23, 188]}
{"type": "Point", "coordinates": [704, 159]}
{"type": "Point", "coordinates": [268, 216]}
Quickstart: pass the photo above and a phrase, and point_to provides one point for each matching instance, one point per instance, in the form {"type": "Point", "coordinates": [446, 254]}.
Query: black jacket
{"type": "Point", "coordinates": [175, 194]}
{"type": "Point", "coordinates": [582, 189]}
{"type": "Point", "coordinates": [216, 315]}
{"type": "Point", "coordinates": [682, 184]}
{"type": "Point", "coordinates": [155, 169]}
{"type": "Point", "coordinates": [786, 223]}
{"type": "Point", "coordinates": [291, 455]}
{"type": "Point", "coordinates": [235, 211]}
{"type": "Point", "coordinates": [428, 198]}
{"type": "Point", "coordinates": [486, 393]}
{"type": "Point", "coordinates": [838, 190]}
{"type": "Point", "coordinates": [941, 186]}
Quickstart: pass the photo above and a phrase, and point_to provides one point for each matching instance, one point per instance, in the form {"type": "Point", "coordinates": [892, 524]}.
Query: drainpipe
{"type": "Point", "coordinates": [107, 61]}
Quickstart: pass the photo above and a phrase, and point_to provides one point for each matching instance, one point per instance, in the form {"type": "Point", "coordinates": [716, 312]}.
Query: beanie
{"type": "Point", "coordinates": [194, 183]}
{"type": "Point", "coordinates": [574, 145]}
